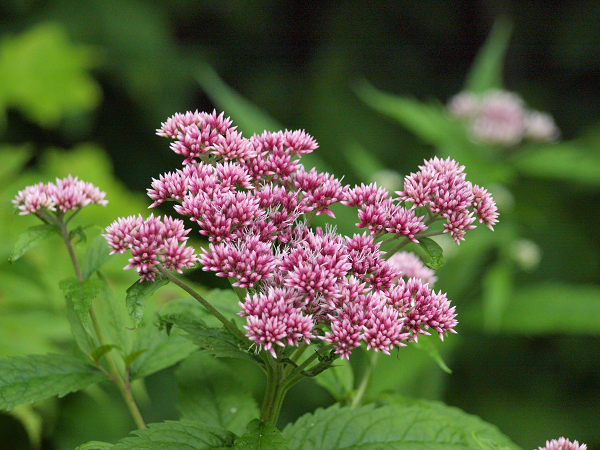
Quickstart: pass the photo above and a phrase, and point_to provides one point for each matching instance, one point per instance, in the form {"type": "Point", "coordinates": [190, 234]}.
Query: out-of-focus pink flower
{"type": "Point", "coordinates": [500, 118]}
{"type": "Point", "coordinates": [411, 266]}
{"type": "Point", "coordinates": [563, 444]}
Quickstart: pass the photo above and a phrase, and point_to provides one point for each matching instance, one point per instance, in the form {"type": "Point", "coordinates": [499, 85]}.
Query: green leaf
{"type": "Point", "coordinates": [216, 341]}
{"type": "Point", "coordinates": [154, 350]}
{"type": "Point", "coordinates": [35, 377]}
{"type": "Point", "coordinates": [95, 445]}
{"type": "Point", "coordinates": [404, 425]}
{"type": "Point", "coordinates": [209, 392]}
{"type": "Point", "coordinates": [553, 307]}
{"type": "Point", "coordinates": [82, 294]}
{"type": "Point", "coordinates": [338, 380]}
{"type": "Point", "coordinates": [565, 161]}
{"type": "Point", "coordinates": [96, 256]}
{"type": "Point", "coordinates": [434, 251]}
{"type": "Point", "coordinates": [45, 76]}
{"type": "Point", "coordinates": [181, 435]}
{"type": "Point", "coordinates": [486, 71]}
{"type": "Point", "coordinates": [488, 444]}
{"type": "Point", "coordinates": [138, 293]}
{"type": "Point", "coordinates": [261, 436]}
{"type": "Point", "coordinates": [102, 350]}
{"type": "Point", "coordinates": [430, 122]}
{"type": "Point", "coordinates": [432, 350]}
{"type": "Point", "coordinates": [84, 340]}
{"type": "Point", "coordinates": [32, 237]}
{"type": "Point", "coordinates": [497, 292]}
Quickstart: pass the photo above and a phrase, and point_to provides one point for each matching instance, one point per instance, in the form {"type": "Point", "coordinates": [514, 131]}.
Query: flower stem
{"type": "Point", "coordinates": [226, 323]}
{"type": "Point", "coordinates": [123, 387]}
{"type": "Point", "coordinates": [364, 383]}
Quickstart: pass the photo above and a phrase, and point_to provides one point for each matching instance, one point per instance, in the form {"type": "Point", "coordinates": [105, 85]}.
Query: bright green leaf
{"type": "Point", "coordinates": [156, 351]}
{"type": "Point", "coordinates": [82, 294]}
{"type": "Point", "coordinates": [488, 444]}
{"type": "Point", "coordinates": [216, 341]}
{"type": "Point", "coordinates": [35, 377]}
{"type": "Point", "coordinates": [181, 435]}
{"type": "Point", "coordinates": [486, 71]}
{"type": "Point", "coordinates": [102, 350]}
{"type": "Point", "coordinates": [96, 256]}
{"type": "Point", "coordinates": [405, 425]}
{"type": "Point", "coordinates": [32, 237]}
{"type": "Point", "coordinates": [84, 340]}
{"type": "Point", "coordinates": [432, 350]}
{"type": "Point", "coordinates": [209, 392]}
{"type": "Point", "coordinates": [434, 251]}
{"type": "Point", "coordinates": [261, 436]}
{"type": "Point", "coordinates": [138, 293]}
{"type": "Point", "coordinates": [45, 76]}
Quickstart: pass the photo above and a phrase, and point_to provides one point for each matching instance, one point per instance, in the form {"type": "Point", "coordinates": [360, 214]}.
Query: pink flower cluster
{"type": "Point", "coordinates": [253, 200]}
{"type": "Point", "coordinates": [500, 117]}
{"type": "Point", "coordinates": [563, 444]}
{"type": "Point", "coordinates": [67, 194]}
{"type": "Point", "coordinates": [151, 241]}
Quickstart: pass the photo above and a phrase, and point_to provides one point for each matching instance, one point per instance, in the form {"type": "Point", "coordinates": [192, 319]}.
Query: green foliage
{"type": "Point", "coordinates": [402, 425]}
{"type": "Point", "coordinates": [31, 238]}
{"type": "Point", "coordinates": [48, 76]}
{"type": "Point", "coordinates": [35, 377]}
{"type": "Point", "coordinates": [81, 295]}
{"type": "Point", "coordinates": [209, 392]}
{"type": "Point", "coordinates": [338, 380]}
{"type": "Point", "coordinates": [155, 350]}
{"type": "Point", "coordinates": [138, 293]}
{"type": "Point", "coordinates": [184, 435]}
{"type": "Point", "coordinates": [261, 436]}
{"type": "Point", "coordinates": [433, 251]}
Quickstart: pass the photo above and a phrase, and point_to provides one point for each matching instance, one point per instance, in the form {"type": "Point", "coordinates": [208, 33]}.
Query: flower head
{"type": "Point", "coordinates": [563, 444]}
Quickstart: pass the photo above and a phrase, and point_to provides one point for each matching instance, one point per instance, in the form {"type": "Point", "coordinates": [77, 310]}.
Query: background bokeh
{"type": "Point", "coordinates": [83, 86]}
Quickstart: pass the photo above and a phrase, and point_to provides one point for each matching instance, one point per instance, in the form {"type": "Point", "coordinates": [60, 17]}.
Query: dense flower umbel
{"type": "Point", "coordinates": [500, 117]}
{"type": "Point", "coordinates": [67, 194]}
{"type": "Point", "coordinates": [563, 444]}
{"type": "Point", "coordinates": [254, 201]}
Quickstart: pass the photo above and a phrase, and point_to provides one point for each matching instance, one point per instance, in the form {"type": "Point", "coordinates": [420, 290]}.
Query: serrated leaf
{"type": "Point", "coordinates": [261, 436]}
{"type": "Point", "coordinates": [338, 380]}
{"type": "Point", "coordinates": [181, 435]}
{"type": "Point", "coordinates": [553, 307]}
{"type": "Point", "coordinates": [35, 377]}
{"type": "Point", "coordinates": [488, 444]}
{"type": "Point", "coordinates": [82, 294]}
{"type": "Point", "coordinates": [95, 445]}
{"type": "Point", "coordinates": [157, 351]}
{"type": "Point", "coordinates": [215, 341]}
{"type": "Point", "coordinates": [209, 392]}
{"type": "Point", "coordinates": [96, 256]}
{"type": "Point", "coordinates": [31, 238]}
{"type": "Point", "coordinates": [84, 340]}
{"type": "Point", "coordinates": [138, 293]}
{"type": "Point", "coordinates": [486, 71]}
{"type": "Point", "coordinates": [434, 251]}
{"type": "Point", "coordinates": [408, 425]}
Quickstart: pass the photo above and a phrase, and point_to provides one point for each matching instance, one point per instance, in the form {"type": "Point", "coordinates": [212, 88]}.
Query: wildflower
{"type": "Point", "coordinates": [67, 194]}
{"type": "Point", "coordinates": [151, 242]}
{"type": "Point", "coordinates": [563, 444]}
{"type": "Point", "coordinates": [410, 266]}
{"type": "Point", "coordinates": [501, 118]}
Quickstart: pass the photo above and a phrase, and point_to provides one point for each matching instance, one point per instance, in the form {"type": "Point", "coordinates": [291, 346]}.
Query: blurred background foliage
{"type": "Point", "coordinates": [83, 86]}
